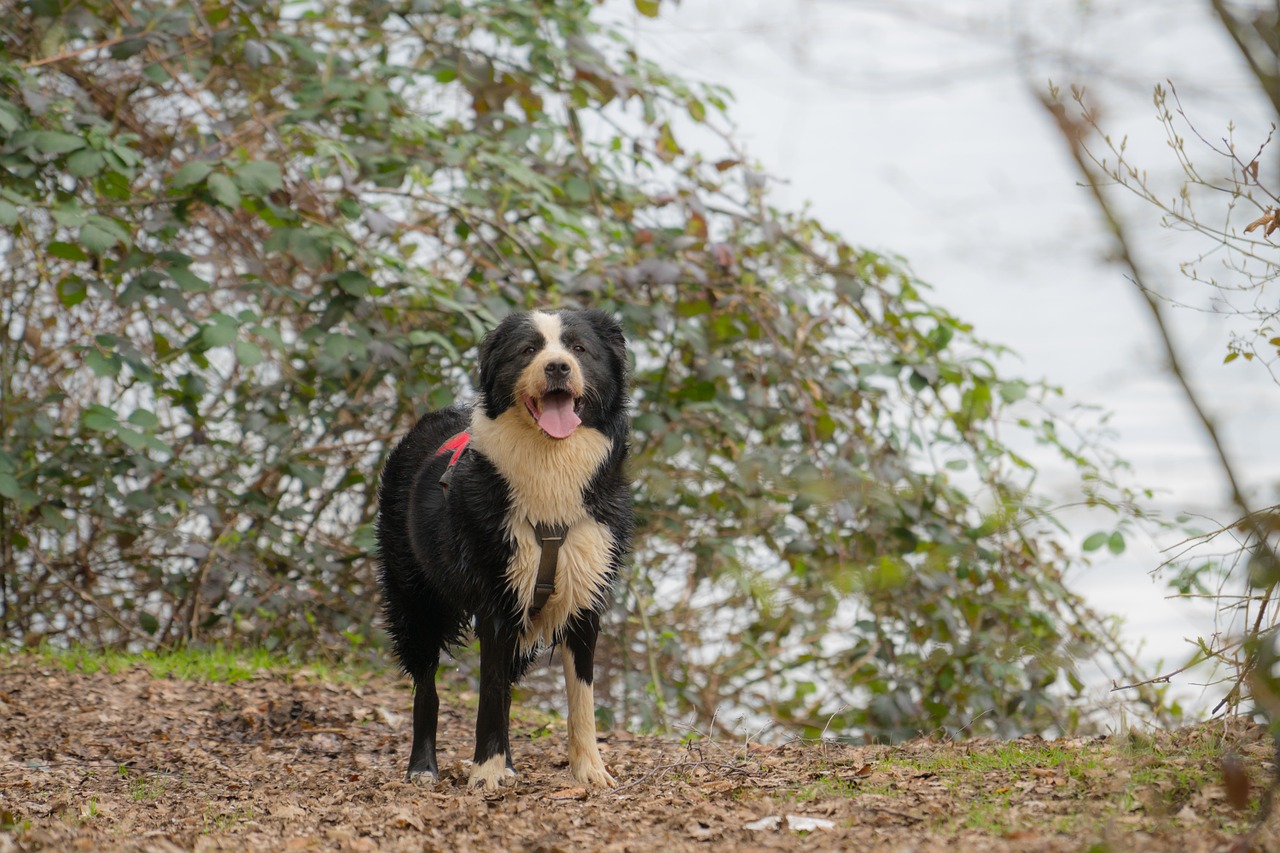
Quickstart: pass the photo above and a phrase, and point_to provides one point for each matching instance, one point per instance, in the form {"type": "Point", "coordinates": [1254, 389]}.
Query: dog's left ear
{"type": "Point", "coordinates": [611, 331]}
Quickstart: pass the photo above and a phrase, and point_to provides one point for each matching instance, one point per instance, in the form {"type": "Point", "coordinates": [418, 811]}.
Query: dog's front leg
{"type": "Point", "coordinates": [585, 763]}
{"type": "Point", "coordinates": [492, 766]}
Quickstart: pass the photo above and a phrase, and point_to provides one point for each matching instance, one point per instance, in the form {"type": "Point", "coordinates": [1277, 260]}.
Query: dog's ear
{"type": "Point", "coordinates": [610, 330]}
{"type": "Point", "coordinates": [488, 362]}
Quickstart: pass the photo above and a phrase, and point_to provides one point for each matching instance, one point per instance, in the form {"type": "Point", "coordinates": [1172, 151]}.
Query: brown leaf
{"type": "Point", "coordinates": [1271, 219]}
{"type": "Point", "coordinates": [568, 794]}
{"type": "Point", "coordinates": [719, 786]}
{"type": "Point", "coordinates": [403, 819]}
{"type": "Point", "coordinates": [1235, 780]}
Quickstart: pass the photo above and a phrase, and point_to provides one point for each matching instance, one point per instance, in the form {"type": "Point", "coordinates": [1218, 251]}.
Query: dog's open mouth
{"type": "Point", "coordinates": [556, 412]}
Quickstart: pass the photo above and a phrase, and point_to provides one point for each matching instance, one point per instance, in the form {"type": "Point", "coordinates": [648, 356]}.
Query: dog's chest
{"type": "Point", "coordinates": [581, 581]}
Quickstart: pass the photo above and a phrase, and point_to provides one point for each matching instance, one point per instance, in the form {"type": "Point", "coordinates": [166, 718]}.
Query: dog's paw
{"type": "Point", "coordinates": [422, 778]}
{"type": "Point", "coordinates": [593, 774]}
{"type": "Point", "coordinates": [492, 774]}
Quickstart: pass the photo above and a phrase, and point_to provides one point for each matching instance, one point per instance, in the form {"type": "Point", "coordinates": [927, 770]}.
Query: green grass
{"type": "Point", "coordinates": [219, 664]}
{"type": "Point", "coordinates": [826, 788]}
{"type": "Point", "coordinates": [145, 786]}
{"type": "Point", "coordinates": [1013, 757]}
{"type": "Point", "coordinates": [1149, 778]}
{"type": "Point", "coordinates": [219, 821]}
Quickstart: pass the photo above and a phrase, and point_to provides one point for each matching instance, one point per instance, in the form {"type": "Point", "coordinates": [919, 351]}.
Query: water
{"type": "Point", "coordinates": [914, 129]}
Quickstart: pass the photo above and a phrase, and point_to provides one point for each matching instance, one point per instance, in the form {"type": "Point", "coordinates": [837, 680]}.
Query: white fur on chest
{"type": "Point", "coordinates": [547, 479]}
{"type": "Point", "coordinates": [582, 577]}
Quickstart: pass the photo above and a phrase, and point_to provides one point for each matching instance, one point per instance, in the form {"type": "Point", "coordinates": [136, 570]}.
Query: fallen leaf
{"type": "Point", "coordinates": [804, 823]}
{"type": "Point", "coordinates": [403, 819]}
{"type": "Point", "coordinates": [568, 794]}
{"type": "Point", "coordinates": [773, 821]}
{"type": "Point", "coordinates": [1235, 780]}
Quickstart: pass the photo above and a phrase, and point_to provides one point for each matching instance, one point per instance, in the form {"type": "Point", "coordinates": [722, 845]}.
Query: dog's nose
{"type": "Point", "coordinates": [557, 369]}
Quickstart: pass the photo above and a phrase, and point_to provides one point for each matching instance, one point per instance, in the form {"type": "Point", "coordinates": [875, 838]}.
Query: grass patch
{"type": "Point", "coordinates": [210, 663]}
{"type": "Point", "coordinates": [144, 786]}
{"type": "Point", "coordinates": [825, 789]}
{"type": "Point", "coordinates": [217, 664]}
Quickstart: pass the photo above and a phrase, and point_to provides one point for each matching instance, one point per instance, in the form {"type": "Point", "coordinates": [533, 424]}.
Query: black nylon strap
{"type": "Point", "coordinates": [550, 537]}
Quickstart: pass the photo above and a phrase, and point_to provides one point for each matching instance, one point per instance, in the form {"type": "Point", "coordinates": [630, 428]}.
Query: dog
{"type": "Point", "coordinates": [513, 514]}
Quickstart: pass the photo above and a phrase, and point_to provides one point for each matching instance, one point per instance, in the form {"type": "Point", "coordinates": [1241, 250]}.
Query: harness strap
{"type": "Point", "coordinates": [458, 444]}
{"type": "Point", "coordinates": [550, 537]}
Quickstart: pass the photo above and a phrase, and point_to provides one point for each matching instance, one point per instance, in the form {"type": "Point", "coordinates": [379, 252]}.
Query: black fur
{"type": "Point", "coordinates": [444, 555]}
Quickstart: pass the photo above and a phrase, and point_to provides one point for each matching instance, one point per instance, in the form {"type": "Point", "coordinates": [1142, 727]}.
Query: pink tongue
{"type": "Point", "coordinates": [558, 419]}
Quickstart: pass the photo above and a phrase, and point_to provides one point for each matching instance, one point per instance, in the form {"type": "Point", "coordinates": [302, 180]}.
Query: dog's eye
{"type": "Point", "coordinates": [530, 350]}
{"type": "Point", "coordinates": [579, 348]}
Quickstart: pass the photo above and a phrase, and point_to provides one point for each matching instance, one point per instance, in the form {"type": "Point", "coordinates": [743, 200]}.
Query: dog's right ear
{"type": "Point", "coordinates": [488, 362]}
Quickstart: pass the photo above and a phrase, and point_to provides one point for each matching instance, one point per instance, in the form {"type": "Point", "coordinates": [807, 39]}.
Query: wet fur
{"type": "Point", "coordinates": [471, 556]}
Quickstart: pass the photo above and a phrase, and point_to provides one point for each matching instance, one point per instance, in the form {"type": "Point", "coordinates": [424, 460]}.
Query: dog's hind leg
{"type": "Point", "coordinates": [585, 763]}
{"type": "Point", "coordinates": [492, 767]}
{"type": "Point", "coordinates": [426, 713]}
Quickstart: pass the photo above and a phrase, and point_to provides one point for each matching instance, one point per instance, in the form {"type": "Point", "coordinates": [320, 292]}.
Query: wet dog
{"type": "Point", "coordinates": [513, 515]}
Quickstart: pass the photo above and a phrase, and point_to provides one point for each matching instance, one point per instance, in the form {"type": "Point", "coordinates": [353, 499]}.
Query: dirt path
{"type": "Point", "coordinates": [128, 761]}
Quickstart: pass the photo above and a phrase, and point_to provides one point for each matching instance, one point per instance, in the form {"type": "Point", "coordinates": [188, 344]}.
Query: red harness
{"type": "Point", "coordinates": [458, 444]}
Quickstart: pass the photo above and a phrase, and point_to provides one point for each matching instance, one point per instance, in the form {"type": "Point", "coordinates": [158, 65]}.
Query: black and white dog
{"type": "Point", "coordinates": [515, 513]}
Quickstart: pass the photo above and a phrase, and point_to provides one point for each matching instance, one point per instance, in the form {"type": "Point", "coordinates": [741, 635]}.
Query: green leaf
{"type": "Point", "coordinates": [648, 8]}
{"type": "Point", "coordinates": [99, 419]}
{"type": "Point", "coordinates": [259, 177]}
{"type": "Point", "coordinates": [191, 173]}
{"type": "Point", "coordinates": [102, 365]}
{"type": "Point", "coordinates": [354, 282]}
{"type": "Point", "coordinates": [1012, 392]}
{"type": "Point", "coordinates": [56, 142]}
{"type": "Point", "coordinates": [224, 191]}
{"type": "Point", "coordinates": [66, 251]}
{"type": "Point", "coordinates": [96, 239]}
{"type": "Point", "coordinates": [144, 418]}
{"type": "Point", "coordinates": [248, 354]}
{"type": "Point", "coordinates": [8, 214]}
{"type": "Point", "coordinates": [1115, 543]}
{"type": "Point", "coordinates": [9, 487]}
{"type": "Point", "coordinates": [72, 291]}
{"type": "Point", "coordinates": [86, 163]}
{"type": "Point", "coordinates": [1096, 541]}
{"type": "Point", "coordinates": [188, 280]}
{"type": "Point", "coordinates": [148, 623]}
{"type": "Point", "coordinates": [218, 333]}
{"type": "Point", "coordinates": [132, 439]}
{"type": "Point", "coordinates": [10, 117]}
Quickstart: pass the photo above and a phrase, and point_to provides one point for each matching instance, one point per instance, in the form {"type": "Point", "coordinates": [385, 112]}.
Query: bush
{"type": "Point", "coordinates": [247, 243]}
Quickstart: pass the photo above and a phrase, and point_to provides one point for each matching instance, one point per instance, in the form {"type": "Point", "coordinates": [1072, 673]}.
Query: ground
{"type": "Point", "coordinates": [141, 757]}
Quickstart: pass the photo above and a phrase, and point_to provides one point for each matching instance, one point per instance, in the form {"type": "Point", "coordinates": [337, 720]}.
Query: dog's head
{"type": "Point", "coordinates": [562, 369]}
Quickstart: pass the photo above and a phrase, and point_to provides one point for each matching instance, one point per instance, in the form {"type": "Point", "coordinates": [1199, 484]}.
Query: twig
{"type": "Point", "coordinates": [36, 63]}
{"type": "Point", "coordinates": [682, 765]}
